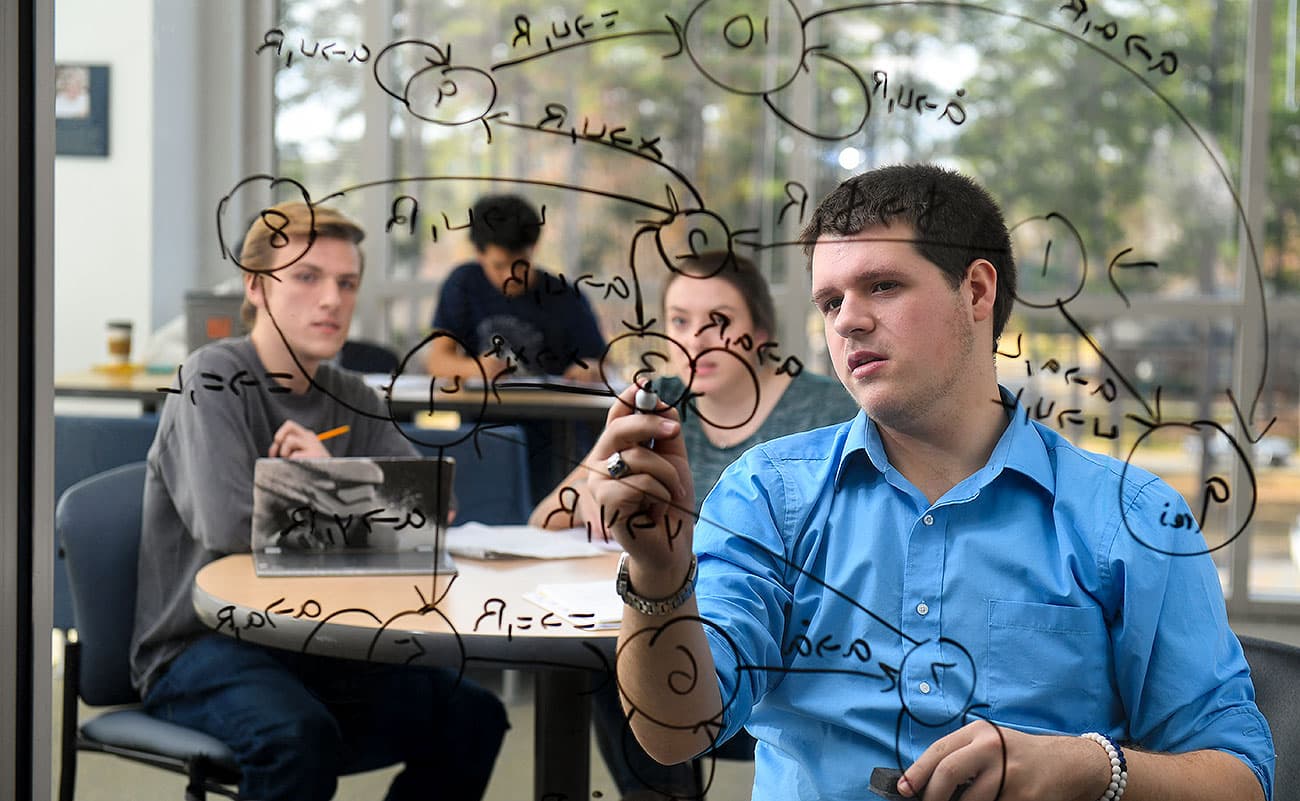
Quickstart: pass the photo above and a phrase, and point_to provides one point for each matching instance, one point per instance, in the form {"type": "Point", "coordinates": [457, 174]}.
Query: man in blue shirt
{"type": "Point", "coordinates": [940, 585]}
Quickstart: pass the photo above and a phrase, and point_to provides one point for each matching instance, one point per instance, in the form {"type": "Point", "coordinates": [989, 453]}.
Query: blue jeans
{"type": "Point", "coordinates": [296, 722]}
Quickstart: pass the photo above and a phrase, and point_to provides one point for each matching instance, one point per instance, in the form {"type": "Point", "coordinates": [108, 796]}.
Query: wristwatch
{"type": "Point", "coordinates": [654, 606]}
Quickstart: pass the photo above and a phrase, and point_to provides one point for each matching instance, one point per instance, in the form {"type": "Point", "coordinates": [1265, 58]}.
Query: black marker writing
{"type": "Point", "coordinates": [325, 51]}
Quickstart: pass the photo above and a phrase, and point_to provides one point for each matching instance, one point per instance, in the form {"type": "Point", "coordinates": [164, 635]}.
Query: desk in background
{"type": "Point", "coordinates": [477, 618]}
{"type": "Point", "coordinates": [564, 411]}
{"type": "Point", "coordinates": [561, 411]}
{"type": "Point", "coordinates": [412, 394]}
{"type": "Point", "coordinates": [137, 385]}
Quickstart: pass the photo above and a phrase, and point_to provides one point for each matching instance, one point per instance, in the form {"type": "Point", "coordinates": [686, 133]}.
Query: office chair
{"type": "Point", "coordinates": [1275, 670]}
{"type": "Point", "coordinates": [85, 445]}
{"type": "Point", "coordinates": [367, 357]}
{"type": "Point", "coordinates": [491, 480]}
{"type": "Point", "coordinates": [98, 520]}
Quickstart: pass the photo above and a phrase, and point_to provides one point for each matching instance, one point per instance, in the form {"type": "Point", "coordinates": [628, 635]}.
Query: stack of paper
{"type": "Point", "coordinates": [479, 541]}
{"type": "Point", "coordinates": [406, 385]}
{"type": "Point", "coordinates": [585, 604]}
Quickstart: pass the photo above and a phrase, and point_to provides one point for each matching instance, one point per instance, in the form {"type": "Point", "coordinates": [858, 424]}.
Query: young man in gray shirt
{"type": "Point", "coordinates": [295, 721]}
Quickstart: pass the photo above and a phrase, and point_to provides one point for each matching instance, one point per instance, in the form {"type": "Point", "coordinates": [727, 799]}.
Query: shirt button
{"type": "Point", "coordinates": [924, 687]}
{"type": "Point", "coordinates": [922, 608]}
{"type": "Point", "coordinates": [928, 520]}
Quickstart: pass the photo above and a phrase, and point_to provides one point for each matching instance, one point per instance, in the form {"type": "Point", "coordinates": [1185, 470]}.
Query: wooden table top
{"type": "Point", "coordinates": [480, 615]}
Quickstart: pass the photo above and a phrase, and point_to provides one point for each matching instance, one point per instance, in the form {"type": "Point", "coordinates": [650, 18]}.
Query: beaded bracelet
{"type": "Point", "coordinates": [1118, 765]}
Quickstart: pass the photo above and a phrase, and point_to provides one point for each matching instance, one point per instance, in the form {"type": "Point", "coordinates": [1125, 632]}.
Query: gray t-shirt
{"type": "Point", "coordinates": [809, 401]}
{"type": "Point", "coordinates": [198, 494]}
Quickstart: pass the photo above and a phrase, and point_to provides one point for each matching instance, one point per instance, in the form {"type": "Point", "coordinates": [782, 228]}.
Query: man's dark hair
{"type": "Point", "coordinates": [507, 221]}
{"type": "Point", "coordinates": [953, 219]}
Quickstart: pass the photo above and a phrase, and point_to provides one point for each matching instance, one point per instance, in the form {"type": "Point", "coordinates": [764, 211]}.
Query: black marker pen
{"type": "Point", "coordinates": [646, 402]}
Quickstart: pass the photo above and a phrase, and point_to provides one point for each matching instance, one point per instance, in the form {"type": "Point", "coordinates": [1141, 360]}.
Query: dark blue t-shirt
{"type": "Point", "coordinates": [548, 327]}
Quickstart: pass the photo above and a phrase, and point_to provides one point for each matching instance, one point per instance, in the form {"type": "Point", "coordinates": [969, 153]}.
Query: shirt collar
{"type": "Point", "coordinates": [1020, 448]}
{"type": "Point", "coordinates": [1026, 452]}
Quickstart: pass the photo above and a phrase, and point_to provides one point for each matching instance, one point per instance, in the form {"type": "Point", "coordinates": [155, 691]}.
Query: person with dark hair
{"type": "Point", "coordinates": [942, 587]}
{"type": "Point", "coordinates": [953, 221]}
{"type": "Point", "coordinates": [718, 310]}
{"type": "Point", "coordinates": [502, 309]}
{"type": "Point", "coordinates": [295, 721]}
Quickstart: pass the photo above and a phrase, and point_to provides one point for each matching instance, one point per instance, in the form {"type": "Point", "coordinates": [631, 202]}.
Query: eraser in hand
{"type": "Point", "coordinates": [884, 783]}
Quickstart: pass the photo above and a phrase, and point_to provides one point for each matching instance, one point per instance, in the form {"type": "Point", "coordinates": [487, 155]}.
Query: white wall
{"type": "Point", "coordinates": [103, 206]}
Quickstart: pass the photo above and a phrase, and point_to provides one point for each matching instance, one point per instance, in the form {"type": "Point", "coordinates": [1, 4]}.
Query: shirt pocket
{"type": "Point", "coordinates": [1048, 666]}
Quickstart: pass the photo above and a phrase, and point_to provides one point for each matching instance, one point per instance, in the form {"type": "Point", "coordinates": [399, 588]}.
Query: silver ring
{"type": "Point", "coordinates": [616, 467]}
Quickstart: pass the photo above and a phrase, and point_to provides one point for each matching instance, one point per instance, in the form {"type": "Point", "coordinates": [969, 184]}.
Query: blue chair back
{"type": "Point", "coordinates": [491, 482]}
{"type": "Point", "coordinates": [367, 357]}
{"type": "Point", "coordinates": [85, 446]}
{"type": "Point", "coordinates": [1275, 671]}
{"type": "Point", "coordinates": [98, 520]}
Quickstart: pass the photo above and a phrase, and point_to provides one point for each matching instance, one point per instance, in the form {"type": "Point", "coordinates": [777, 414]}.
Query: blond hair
{"type": "Point", "coordinates": [276, 226]}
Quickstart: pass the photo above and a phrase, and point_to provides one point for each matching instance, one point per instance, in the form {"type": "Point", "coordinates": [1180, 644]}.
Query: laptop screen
{"type": "Point", "coordinates": [350, 503]}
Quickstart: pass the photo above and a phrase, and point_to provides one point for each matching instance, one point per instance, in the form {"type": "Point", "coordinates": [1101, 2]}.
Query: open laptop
{"type": "Point", "coordinates": [344, 516]}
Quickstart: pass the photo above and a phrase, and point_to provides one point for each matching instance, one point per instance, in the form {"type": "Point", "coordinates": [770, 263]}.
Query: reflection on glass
{"type": "Point", "coordinates": [1110, 135]}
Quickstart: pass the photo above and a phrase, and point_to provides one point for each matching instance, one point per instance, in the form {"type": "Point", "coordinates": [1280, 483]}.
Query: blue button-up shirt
{"type": "Point", "coordinates": [853, 623]}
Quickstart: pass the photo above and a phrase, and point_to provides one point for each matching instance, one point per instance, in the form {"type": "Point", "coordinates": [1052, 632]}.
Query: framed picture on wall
{"type": "Point", "coordinates": [80, 110]}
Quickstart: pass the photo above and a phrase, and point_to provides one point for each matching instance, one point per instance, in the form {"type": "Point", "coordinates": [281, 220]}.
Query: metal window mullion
{"type": "Point", "coordinates": [376, 156]}
{"type": "Point", "coordinates": [26, 393]}
{"type": "Point", "coordinates": [257, 139]}
{"type": "Point", "coordinates": [1248, 364]}
{"type": "Point", "coordinates": [42, 400]}
{"type": "Point", "coordinates": [764, 175]}
{"type": "Point", "coordinates": [253, 117]}
{"type": "Point", "coordinates": [791, 295]}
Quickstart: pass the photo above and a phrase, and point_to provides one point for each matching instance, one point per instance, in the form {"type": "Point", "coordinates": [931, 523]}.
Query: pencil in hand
{"type": "Point", "coordinates": [333, 432]}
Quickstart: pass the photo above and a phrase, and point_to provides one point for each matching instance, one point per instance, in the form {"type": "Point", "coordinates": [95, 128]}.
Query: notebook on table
{"type": "Point", "coordinates": [345, 516]}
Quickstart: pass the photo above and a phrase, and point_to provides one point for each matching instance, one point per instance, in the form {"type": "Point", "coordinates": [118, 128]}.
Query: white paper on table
{"type": "Point", "coordinates": [417, 387]}
{"type": "Point", "coordinates": [408, 386]}
{"type": "Point", "coordinates": [479, 541]}
{"type": "Point", "coordinates": [610, 389]}
{"type": "Point", "coordinates": [585, 604]}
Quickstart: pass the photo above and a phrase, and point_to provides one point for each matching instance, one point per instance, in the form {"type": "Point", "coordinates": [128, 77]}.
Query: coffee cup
{"type": "Point", "coordinates": [119, 342]}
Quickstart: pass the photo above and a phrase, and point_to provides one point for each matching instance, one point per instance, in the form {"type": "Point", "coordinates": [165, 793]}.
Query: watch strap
{"type": "Point", "coordinates": [654, 607]}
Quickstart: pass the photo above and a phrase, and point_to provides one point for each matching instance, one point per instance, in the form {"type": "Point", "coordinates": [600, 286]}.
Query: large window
{"type": "Point", "coordinates": [1151, 325]}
